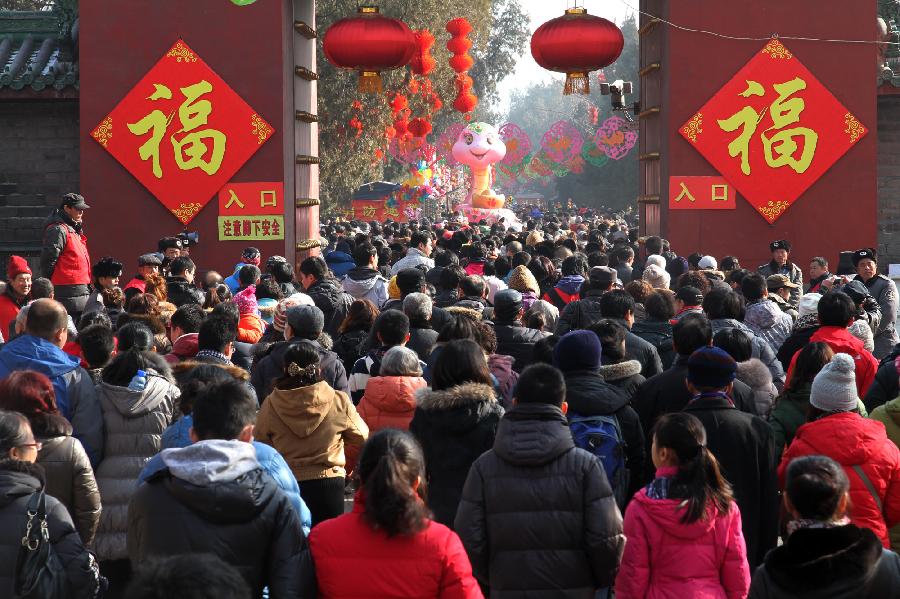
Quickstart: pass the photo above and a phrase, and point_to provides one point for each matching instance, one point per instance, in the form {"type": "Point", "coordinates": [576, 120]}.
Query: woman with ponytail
{"type": "Point", "coordinates": [684, 528]}
{"type": "Point", "coordinates": [138, 398]}
{"type": "Point", "coordinates": [389, 546]}
{"type": "Point", "coordinates": [312, 426]}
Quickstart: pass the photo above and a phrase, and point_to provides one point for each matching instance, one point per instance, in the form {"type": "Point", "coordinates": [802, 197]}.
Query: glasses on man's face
{"type": "Point", "coordinates": [37, 445]}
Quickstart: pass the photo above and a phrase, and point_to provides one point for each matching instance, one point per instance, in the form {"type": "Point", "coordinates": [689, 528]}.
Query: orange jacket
{"type": "Point", "coordinates": [390, 401]}
{"type": "Point", "coordinates": [250, 328]}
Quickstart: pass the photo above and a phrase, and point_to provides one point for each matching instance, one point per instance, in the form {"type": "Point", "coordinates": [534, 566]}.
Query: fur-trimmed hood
{"type": "Point", "coordinates": [754, 374]}
{"type": "Point", "coordinates": [181, 369]}
{"type": "Point", "coordinates": [622, 370]}
{"type": "Point", "coordinates": [467, 394]}
{"type": "Point", "coordinates": [815, 560]}
{"type": "Point", "coordinates": [464, 311]}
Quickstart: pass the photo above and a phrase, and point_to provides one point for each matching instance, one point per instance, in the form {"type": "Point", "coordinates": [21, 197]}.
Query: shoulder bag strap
{"type": "Point", "coordinates": [865, 479]}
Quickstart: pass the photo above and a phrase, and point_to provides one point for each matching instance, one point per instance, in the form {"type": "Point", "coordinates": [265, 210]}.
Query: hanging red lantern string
{"type": "Point", "coordinates": [459, 44]}
{"type": "Point", "coordinates": [576, 44]}
{"type": "Point", "coordinates": [419, 127]}
{"type": "Point", "coordinates": [423, 62]}
{"type": "Point", "coordinates": [369, 43]}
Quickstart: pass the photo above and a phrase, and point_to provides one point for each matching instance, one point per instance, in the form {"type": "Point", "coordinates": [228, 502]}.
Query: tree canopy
{"type": "Point", "coordinates": [499, 37]}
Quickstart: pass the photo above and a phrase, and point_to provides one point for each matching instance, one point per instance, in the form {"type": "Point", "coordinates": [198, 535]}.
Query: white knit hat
{"type": "Point", "coordinates": [862, 331]}
{"type": "Point", "coordinates": [834, 388]}
{"type": "Point", "coordinates": [297, 299]}
{"type": "Point", "coordinates": [708, 263]}
{"type": "Point", "coordinates": [657, 277]}
{"type": "Point", "coordinates": [809, 304]}
{"type": "Point", "coordinates": [657, 260]}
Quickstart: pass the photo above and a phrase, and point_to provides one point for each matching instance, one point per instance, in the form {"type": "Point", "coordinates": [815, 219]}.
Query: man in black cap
{"type": "Point", "coordinates": [865, 261]}
{"type": "Point", "coordinates": [585, 311]}
{"type": "Point", "coordinates": [780, 265]}
{"type": "Point", "coordinates": [64, 255]}
{"type": "Point", "coordinates": [148, 264]}
{"type": "Point", "coordinates": [106, 276]}
{"type": "Point", "coordinates": [514, 338]}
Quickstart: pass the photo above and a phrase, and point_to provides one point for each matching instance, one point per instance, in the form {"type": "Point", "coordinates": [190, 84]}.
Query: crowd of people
{"type": "Point", "coordinates": [446, 409]}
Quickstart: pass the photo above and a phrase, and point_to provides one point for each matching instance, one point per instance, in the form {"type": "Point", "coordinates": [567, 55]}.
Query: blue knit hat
{"type": "Point", "coordinates": [711, 367]}
{"type": "Point", "coordinates": [578, 350]}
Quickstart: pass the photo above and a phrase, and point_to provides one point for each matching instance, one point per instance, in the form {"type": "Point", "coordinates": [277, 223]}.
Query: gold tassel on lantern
{"type": "Point", "coordinates": [577, 83]}
{"type": "Point", "coordinates": [370, 82]}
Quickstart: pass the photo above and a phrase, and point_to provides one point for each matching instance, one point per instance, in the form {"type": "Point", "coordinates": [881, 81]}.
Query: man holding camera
{"type": "Point", "coordinates": [779, 265]}
{"type": "Point", "coordinates": [64, 255]}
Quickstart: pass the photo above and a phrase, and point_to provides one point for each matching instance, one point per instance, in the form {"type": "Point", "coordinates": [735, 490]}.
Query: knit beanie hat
{"type": "Point", "coordinates": [711, 367]}
{"type": "Point", "coordinates": [305, 321]}
{"type": "Point", "coordinates": [809, 304]}
{"type": "Point", "coordinates": [708, 263]}
{"type": "Point", "coordinates": [834, 388]}
{"type": "Point", "coordinates": [250, 255]}
{"type": "Point", "coordinates": [657, 260]}
{"type": "Point", "coordinates": [298, 299]}
{"type": "Point", "coordinates": [17, 265]}
{"type": "Point", "coordinates": [657, 277]}
{"type": "Point", "coordinates": [246, 300]}
{"type": "Point", "coordinates": [522, 280]}
{"type": "Point", "coordinates": [862, 331]}
{"type": "Point", "coordinates": [393, 290]}
{"type": "Point", "coordinates": [578, 350]}
{"type": "Point", "coordinates": [410, 280]}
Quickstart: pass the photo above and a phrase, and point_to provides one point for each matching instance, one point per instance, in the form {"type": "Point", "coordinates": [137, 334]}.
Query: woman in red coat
{"type": "Point", "coordinates": [388, 546]}
{"type": "Point", "coordinates": [861, 446]}
{"type": "Point", "coordinates": [17, 293]}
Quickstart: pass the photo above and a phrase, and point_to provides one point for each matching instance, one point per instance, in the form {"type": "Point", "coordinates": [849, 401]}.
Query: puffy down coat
{"type": "Point", "coordinates": [667, 559]}
{"type": "Point", "coordinates": [134, 421]}
{"type": "Point", "coordinates": [355, 560]}
{"type": "Point", "coordinates": [854, 441]}
{"type": "Point", "coordinates": [390, 401]}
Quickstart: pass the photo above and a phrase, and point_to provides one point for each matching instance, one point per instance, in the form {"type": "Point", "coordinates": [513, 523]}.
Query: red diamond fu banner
{"type": "Point", "coordinates": [773, 130]}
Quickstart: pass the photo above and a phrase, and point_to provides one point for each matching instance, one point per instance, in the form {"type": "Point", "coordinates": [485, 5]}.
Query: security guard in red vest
{"type": "Point", "coordinates": [64, 256]}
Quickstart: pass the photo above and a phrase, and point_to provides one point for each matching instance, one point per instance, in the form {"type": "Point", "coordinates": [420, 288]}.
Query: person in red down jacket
{"type": "Point", "coordinates": [836, 313]}
{"type": "Point", "coordinates": [390, 397]}
{"type": "Point", "coordinates": [17, 292]}
{"type": "Point", "coordinates": [861, 446]}
{"type": "Point", "coordinates": [250, 327]}
{"type": "Point", "coordinates": [684, 528]}
{"type": "Point", "coordinates": [388, 546]}
{"type": "Point", "coordinates": [184, 333]}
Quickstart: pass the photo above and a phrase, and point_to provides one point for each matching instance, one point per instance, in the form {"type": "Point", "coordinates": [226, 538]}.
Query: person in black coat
{"type": "Point", "coordinates": [213, 497]}
{"type": "Point", "coordinates": [886, 385]}
{"type": "Point", "coordinates": [418, 308]}
{"type": "Point", "coordinates": [20, 479]}
{"type": "Point", "coordinates": [455, 422]}
{"type": "Point", "coordinates": [303, 325]}
{"type": "Point", "coordinates": [743, 444]}
{"type": "Point", "coordinates": [618, 305]}
{"type": "Point", "coordinates": [513, 338]}
{"type": "Point", "coordinates": [667, 392]}
{"type": "Point", "coordinates": [578, 356]}
{"type": "Point", "coordinates": [656, 329]}
{"type": "Point", "coordinates": [327, 293]}
{"type": "Point", "coordinates": [823, 555]}
{"type": "Point", "coordinates": [537, 514]}
{"type": "Point", "coordinates": [180, 283]}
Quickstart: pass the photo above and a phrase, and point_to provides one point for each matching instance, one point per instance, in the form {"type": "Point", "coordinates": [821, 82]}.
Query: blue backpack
{"type": "Point", "coordinates": [602, 436]}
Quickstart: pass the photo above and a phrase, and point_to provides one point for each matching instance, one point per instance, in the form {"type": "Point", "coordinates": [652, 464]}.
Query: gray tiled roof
{"type": "Point", "coordinates": [33, 55]}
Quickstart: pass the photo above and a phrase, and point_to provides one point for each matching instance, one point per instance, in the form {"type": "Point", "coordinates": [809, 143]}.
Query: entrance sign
{"type": "Point", "coordinates": [701, 193]}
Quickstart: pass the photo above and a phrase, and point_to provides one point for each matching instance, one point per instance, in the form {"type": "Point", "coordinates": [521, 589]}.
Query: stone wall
{"type": "Point", "coordinates": [888, 180]}
{"type": "Point", "coordinates": [39, 161]}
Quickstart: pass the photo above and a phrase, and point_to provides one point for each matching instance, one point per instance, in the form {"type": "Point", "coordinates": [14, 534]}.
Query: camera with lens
{"type": "Point", "coordinates": [189, 239]}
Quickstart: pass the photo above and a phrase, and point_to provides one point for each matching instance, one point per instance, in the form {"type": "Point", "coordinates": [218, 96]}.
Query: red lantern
{"type": "Point", "coordinates": [576, 44]}
{"type": "Point", "coordinates": [419, 127]}
{"type": "Point", "coordinates": [369, 43]}
{"type": "Point", "coordinates": [422, 62]}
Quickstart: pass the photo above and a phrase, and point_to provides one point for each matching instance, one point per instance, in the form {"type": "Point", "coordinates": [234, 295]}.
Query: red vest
{"type": "Point", "coordinates": [74, 264]}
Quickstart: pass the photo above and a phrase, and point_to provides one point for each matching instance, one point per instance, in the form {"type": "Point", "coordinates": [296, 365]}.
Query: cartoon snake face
{"type": "Point", "coordinates": [479, 145]}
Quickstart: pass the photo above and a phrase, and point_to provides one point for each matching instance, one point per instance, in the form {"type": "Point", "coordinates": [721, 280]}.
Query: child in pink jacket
{"type": "Point", "coordinates": [683, 530]}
